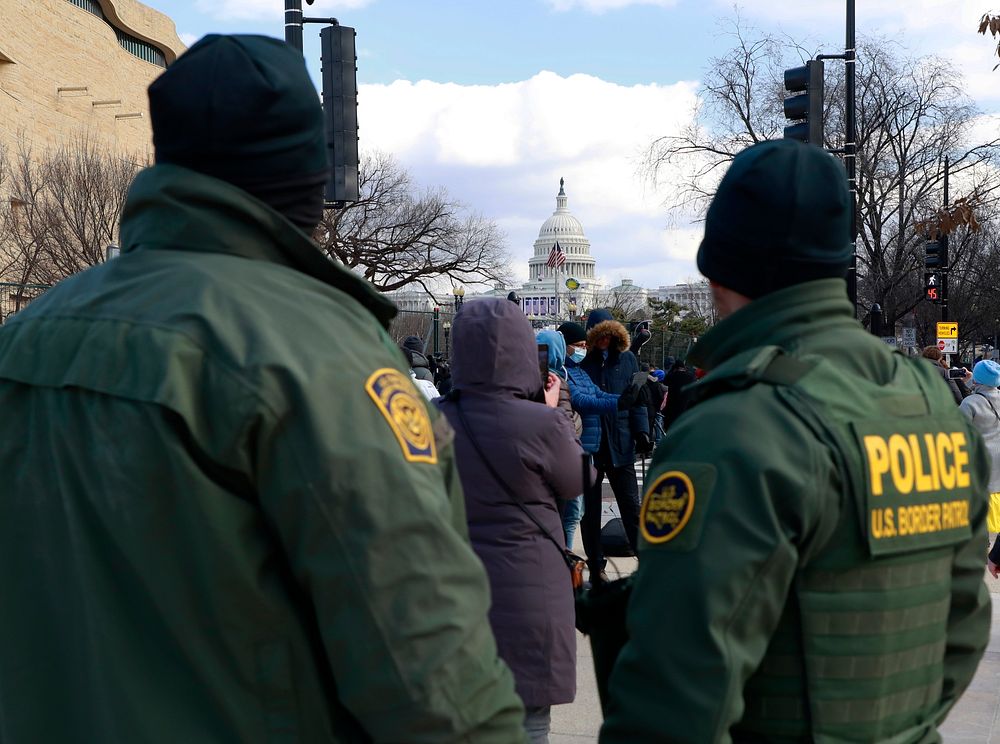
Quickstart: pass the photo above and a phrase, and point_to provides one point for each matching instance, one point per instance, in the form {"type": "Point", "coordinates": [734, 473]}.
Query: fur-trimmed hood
{"type": "Point", "coordinates": [612, 329]}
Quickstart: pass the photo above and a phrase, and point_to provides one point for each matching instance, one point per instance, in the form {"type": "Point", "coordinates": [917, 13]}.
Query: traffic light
{"type": "Point", "coordinates": [806, 108]}
{"type": "Point", "coordinates": [340, 110]}
{"type": "Point", "coordinates": [934, 255]}
{"type": "Point", "coordinates": [932, 287]}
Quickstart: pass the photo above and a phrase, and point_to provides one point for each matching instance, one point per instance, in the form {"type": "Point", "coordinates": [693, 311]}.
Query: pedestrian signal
{"type": "Point", "coordinates": [932, 288]}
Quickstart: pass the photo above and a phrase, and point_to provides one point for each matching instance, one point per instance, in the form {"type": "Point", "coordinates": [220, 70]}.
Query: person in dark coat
{"type": "Point", "coordinates": [589, 402]}
{"type": "Point", "coordinates": [612, 367]}
{"type": "Point", "coordinates": [413, 349]}
{"type": "Point", "coordinates": [517, 457]}
{"type": "Point", "coordinates": [655, 392]}
{"type": "Point", "coordinates": [679, 377]}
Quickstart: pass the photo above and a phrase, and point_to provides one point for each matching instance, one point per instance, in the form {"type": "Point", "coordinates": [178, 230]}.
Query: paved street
{"type": "Point", "coordinates": [973, 721]}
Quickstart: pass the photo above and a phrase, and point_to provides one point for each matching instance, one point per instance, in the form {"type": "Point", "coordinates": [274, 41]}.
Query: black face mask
{"type": "Point", "coordinates": [299, 200]}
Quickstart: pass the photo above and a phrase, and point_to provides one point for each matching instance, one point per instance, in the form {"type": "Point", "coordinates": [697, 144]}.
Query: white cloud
{"type": "Point", "coordinates": [601, 6]}
{"type": "Point", "coordinates": [269, 10]}
{"type": "Point", "coordinates": [946, 28]}
{"type": "Point", "coordinates": [188, 39]}
{"type": "Point", "coordinates": [503, 148]}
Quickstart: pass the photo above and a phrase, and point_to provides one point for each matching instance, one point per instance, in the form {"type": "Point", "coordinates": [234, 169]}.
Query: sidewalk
{"type": "Point", "coordinates": [974, 720]}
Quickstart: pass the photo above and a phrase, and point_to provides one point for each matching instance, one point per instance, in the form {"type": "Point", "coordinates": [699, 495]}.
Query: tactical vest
{"type": "Point", "coordinates": [858, 653]}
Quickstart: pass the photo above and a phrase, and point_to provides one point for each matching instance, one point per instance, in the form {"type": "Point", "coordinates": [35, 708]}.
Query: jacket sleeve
{"type": "Point", "coordinates": [562, 461]}
{"type": "Point", "coordinates": [969, 616]}
{"type": "Point", "coordinates": [379, 544]}
{"type": "Point", "coordinates": [638, 414]}
{"type": "Point", "coordinates": [590, 400]}
{"type": "Point", "coordinates": [700, 618]}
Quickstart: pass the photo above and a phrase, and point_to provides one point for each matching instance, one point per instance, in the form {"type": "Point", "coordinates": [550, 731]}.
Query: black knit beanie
{"type": "Point", "coordinates": [574, 333]}
{"type": "Point", "coordinates": [781, 216]}
{"type": "Point", "coordinates": [243, 109]}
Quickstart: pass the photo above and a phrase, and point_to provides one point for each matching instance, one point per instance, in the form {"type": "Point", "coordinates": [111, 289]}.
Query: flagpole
{"type": "Point", "coordinates": [555, 313]}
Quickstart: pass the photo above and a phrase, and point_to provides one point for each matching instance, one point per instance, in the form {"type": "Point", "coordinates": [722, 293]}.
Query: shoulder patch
{"type": "Point", "coordinates": [667, 507]}
{"type": "Point", "coordinates": [402, 406]}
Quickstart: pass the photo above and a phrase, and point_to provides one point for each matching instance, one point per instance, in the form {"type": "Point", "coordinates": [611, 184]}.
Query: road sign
{"type": "Point", "coordinates": [948, 345]}
{"type": "Point", "coordinates": [947, 330]}
{"type": "Point", "coordinates": [909, 337]}
{"type": "Point", "coordinates": [891, 340]}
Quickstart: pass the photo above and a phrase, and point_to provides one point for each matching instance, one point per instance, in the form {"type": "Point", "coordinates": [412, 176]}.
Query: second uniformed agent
{"type": "Point", "coordinates": [229, 515]}
{"type": "Point", "coordinates": [810, 563]}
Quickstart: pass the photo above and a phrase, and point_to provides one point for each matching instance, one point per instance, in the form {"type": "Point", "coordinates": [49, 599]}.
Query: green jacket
{"type": "Point", "coordinates": [227, 515]}
{"type": "Point", "coordinates": [775, 600]}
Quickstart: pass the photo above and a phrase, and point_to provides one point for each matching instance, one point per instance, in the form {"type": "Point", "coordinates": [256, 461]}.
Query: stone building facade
{"type": "Point", "coordinates": [80, 68]}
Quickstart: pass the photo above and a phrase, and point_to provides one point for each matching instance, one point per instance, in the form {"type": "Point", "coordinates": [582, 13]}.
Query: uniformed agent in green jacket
{"type": "Point", "coordinates": [227, 515]}
{"type": "Point", "coordinates": [811, 562]}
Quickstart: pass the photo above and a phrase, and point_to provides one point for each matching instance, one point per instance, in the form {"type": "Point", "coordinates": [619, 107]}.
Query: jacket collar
{"type": "Point", "coordinates": [173, 208]}
{"type": "Point", "coordinates": [779, 318]}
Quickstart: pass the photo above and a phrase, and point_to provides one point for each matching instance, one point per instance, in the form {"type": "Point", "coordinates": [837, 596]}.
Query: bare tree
{"type": "Point", "coordinates": [395, 235]}
{"type": "Point", "coordinates": [62, 210]}
{"type": "Point", "coordinates": [85, 188]}
{"type": "Point", "coordinates": [23, 226]}
{"type": "Point", "coordinates": [912, 113]}
{"type": "Point", "coordinates": [624, 302]}
{"type": "Point", "coordinates": [740, 105]}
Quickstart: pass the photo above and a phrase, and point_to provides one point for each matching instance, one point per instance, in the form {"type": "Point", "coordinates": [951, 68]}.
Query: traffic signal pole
{"type": "Point", "coordinates": [945, 258]}
{"type": "Point", "coordinates": [851, 150]}
{"type": "Point", "coordinates": [807, 109]}
{"type": "Point", "coordinates": [293, 23]}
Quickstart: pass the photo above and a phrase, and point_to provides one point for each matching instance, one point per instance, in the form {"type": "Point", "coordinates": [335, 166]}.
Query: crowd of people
{"type": "Point", "coordinates": [235, 510]}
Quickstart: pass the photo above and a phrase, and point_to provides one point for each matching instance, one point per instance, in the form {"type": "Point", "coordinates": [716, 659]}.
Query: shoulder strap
{"type": "Point", "coordinates": [992, 407]}
{"type": "Point", "coordinates": [567, 555]}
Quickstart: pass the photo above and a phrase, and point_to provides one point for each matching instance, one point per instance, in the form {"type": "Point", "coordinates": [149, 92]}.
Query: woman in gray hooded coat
{"type": "Point", "coordinates": [517, 457]}
{"type": "Point", "coordinates": [983, 408]}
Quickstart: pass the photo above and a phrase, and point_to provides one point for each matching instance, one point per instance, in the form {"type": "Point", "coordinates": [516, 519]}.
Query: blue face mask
{"type": "Point", "coordinates": [578, 355]}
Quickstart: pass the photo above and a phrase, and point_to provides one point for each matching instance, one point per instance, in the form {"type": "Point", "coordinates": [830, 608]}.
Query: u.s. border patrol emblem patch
{"type": "Point", "coordinates": [667, 507]}
{"type": "Point", "coordinates": [399, 401]}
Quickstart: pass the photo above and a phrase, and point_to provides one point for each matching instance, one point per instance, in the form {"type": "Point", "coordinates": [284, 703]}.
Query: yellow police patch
{"type": "Point", "coordinates": [667, 507]}
{"type": "Point", "coordinates": [401, 404]}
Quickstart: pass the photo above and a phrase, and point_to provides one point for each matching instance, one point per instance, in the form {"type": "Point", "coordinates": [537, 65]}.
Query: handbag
{"type": "Point", "coordinates": [574, 563]}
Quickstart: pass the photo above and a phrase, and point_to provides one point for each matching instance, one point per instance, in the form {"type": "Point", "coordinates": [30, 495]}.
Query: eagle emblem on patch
{"type": "Point", "coordinates": [400, 403]}
{"type": "Point", "coordinates": [667, 507]}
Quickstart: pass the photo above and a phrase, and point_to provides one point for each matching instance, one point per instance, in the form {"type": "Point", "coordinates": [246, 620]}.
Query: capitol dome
{"type": "Point", "coordinates": [559, 224]}
{"type": "Point", "coordinates": [564, 228]}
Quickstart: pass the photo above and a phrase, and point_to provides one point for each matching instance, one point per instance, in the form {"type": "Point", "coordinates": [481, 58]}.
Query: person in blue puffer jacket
{"type": "Point", "coordinates": [590, 402]}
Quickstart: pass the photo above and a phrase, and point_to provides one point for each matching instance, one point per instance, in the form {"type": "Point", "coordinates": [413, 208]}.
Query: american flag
{"type": "Point", "coordinates": [557, 257]}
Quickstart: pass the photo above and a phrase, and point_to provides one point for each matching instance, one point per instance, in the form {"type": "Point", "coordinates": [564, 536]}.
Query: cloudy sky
{"type": "Point", "coordinates": [496, 100]}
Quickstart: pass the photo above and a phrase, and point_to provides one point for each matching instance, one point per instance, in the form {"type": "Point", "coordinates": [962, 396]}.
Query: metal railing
{"type": "Point", "coordinates": [665, 344]}
{"type": "Point", "coordinates": [14, 297]}
{"type": "Point", "coordinates": [433, 326]}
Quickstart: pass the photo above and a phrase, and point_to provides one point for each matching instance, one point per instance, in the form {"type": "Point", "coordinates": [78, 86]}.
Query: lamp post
{"type": "Point", "coordinates": [875, 315]}
{"type": "Point", "coordinates": [572, 310]}
{"type": "Point", "coordinates": [459, 293]}
{"type": "Point", "coordinates": [447, 330]}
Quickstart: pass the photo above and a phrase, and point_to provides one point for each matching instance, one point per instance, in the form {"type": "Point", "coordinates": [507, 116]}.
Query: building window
{"type": "Point", "coordinates": [136, 47]}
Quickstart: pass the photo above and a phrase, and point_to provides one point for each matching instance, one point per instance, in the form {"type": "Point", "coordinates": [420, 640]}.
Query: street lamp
{"type": "Point", "coordinates": [459, 293]}
{"type": "Point", "coordinates": [572, 310]}
{"type": "Point", "coordinates": [875, 317]}
{"type": "Point", "coordinates": [447, 329]}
